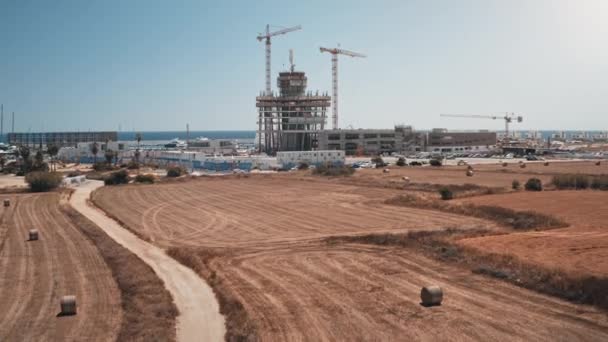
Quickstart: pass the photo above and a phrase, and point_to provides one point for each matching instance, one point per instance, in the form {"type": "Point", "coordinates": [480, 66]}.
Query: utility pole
{"type": "Point", "coordinates": [13, 128]}
{"type": "Point", "coordinates": [2, 121]}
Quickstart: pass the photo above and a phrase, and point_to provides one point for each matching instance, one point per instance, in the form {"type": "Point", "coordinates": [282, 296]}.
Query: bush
{"type": "Point", "coordinates": [74, 173]}
{"type": "Point", "coordinates": [149, 179]}
{"type": "Point", "coordinates": [446, 194]}
{"type": "Point", "coordinates": [534, 184]}
{"type": "Point", "coordinates": [580, 182]}
{"type": "Point", "coordinates": [435, 162]}
{"type": "Point", "coordinates": [175, 171]}
{"type": "Point", "coordinates": [40, 181]}
{"type": "Point", "coordinates": [303, 166]}
{"type": "Point", "coordinates": [118, 177]}
{"type": "Point", "coordinates": [515, 184]}
{"type": "Point", "coordinates": [132, 165]}
{"type": "Point", "coordinates": [401, 161]}
{"type": "Point", "coordinates": [332, 170]}
{"type": "Point", "coordinates": [102, 166]}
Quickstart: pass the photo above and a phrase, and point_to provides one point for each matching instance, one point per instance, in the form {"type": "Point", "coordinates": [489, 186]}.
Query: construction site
{"type": "Point", "coordinates": [312, 233]}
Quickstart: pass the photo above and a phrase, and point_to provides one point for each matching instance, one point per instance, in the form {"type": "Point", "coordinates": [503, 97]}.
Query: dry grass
{"type": "Point", "coordinates": [440, 245]}
{"type": "Point", "coordinates": [580, 181]}
{"type": "Point", "coordinates": [149, 311]}
{"type": "Point", "coordinates": [521, 220]}
{"type": "Point", "coordinates": [239, 325]}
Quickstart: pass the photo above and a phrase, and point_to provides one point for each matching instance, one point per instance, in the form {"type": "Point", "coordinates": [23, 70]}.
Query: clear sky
{"type": "Point", "coordinates": [157, 65]}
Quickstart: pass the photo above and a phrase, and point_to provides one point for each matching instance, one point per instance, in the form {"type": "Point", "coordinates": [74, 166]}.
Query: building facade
{"type": "Point", "coordinates": [37, 140]}
{"type": "Point", "coordinates": [292, 120]}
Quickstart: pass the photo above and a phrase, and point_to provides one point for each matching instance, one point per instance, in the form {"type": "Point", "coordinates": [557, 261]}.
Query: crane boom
{"type": "Point", "coordinates": [334, 73]}
{"type": "Point", "coordinates": [508, 117]}
{"type": "Point", "coordinates": [266, 37]}
{"type": "Point", "coordinates": [276, 33]}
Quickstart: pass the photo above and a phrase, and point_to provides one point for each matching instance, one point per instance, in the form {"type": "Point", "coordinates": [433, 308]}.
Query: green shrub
{"type": "Point", "coordinates": [149, 179]}
{"type": "Point", "coordinates": [515, 184]}
{"type": "Point", "coordinates": [435, 162]}
{"type": "Point", "coordinates": [133, 165]}
{"type": "Point", "coordinates": [401, 161]}
{"type": "Point", "coordinates": [175, 171]}
{"type": "Point", "coordinates": [40, 181]}
{"type": "Point", "coordinates": [331, 170]}
{"type": "Point", "coordinates": [534, 184]}
{"type": "Point", "coordinates": [118, 177]}
{"type": "Point", "coordinates": [74, 173]}
{"type": "Point", "coordinates": [446, 194]}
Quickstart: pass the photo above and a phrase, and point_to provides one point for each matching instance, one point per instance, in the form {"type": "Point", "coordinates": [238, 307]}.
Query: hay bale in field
{"type": "Point", "coordinates": [522, 165]}
{"type": "Point", "coordinates": [546, 163]}
{"type": "Point", "coordinates": [469, 173]}
{"type": "Point", "coordinates": [505, 164]}
{"type": "Point", "coordinates": [33, 234]}
{"type": "Point", "coordinates": [386, 171]}
{"type": "Point", "coordinates": [406, 180]}
{"type": "Point", "coordinates": [431, 295]}
{"type": "Point", "coordinates": [598, 163]}
{"type": "Point", "coordinates": [469, 167]}
{"type": "Point", "coordinates": [68, 305]}
{"type": "Point", "coordinates": [7, 203]}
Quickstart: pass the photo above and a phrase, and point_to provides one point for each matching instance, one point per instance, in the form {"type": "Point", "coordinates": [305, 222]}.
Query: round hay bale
{"type": "Point", "coordinates": [546, 163]}
{"type": "Point", "coordinates": [386, 171]}
{"type": "Point", "coordinates": [522, 165]}
{"type": "Point", "coordinates": [469, 167]}
{"type": "Point", "coordinates": [431, 295]}
{"type": "Point", "coordinates": [68, 305]}
{"type": "Point", "coordinates": [505, 164]}
{"type": "Point", "coordinates": [469, 173]}
{"type": "Point", "coordinates": [33, 234]}
{"type": "Point", "coordinates": [598, 163]}
{"type": "Point", "coordinates": [406, 179]}
{"type": "Point", "coordinates": [7, 203]}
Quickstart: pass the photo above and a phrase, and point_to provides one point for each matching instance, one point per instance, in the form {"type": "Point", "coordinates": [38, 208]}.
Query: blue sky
{"type": "Point", "coordinates": [157, 65]}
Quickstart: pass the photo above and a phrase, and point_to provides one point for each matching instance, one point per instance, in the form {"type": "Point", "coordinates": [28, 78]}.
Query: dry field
{"type": "Point", "coordinates": [554, 167]}
{"type": "Point", "coordinates": [35, 274]}
{"type": "Point", "coordinates": [264, 236]}
{"type": "Point", "coordinates": [256, 211]}
{"type": "Point", "coordinates": [581, 249]}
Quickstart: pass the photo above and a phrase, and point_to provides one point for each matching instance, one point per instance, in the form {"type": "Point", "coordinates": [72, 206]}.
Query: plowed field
{"type": "Point", "coordinates": [296, 287]}
{"type": "Point", "coordinates": [580, 249]}
{"type": "Point", "coordinates": [34, 275]}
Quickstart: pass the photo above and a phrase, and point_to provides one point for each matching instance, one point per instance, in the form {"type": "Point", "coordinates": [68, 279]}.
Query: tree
{"type": "Point", "coordinates": [94, 150]}
{"type": "Point", "coordinates": [26, 163]}
{"type": "Point", "coordinates": [109, 155]}
{"type": "Point", "coordinates": [52, 150]}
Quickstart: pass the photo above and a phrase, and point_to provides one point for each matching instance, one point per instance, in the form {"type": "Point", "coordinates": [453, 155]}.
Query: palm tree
{"type": "Point", "coordinates": [52, 150]}
{"type": "Point", "coordinates": [94, 150]}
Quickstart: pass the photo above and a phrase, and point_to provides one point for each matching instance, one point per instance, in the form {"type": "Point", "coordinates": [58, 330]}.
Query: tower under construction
{"type": "Point", "coordinates": [291, 120]}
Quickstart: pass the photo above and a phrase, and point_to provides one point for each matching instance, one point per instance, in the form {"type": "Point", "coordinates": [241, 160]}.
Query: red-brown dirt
{"type": "Point", "coordinates": [34, 275]}
{"type": "Point", "coordinates": [580, 249]}
{"type": "Point", "coordinates": [264, 237]}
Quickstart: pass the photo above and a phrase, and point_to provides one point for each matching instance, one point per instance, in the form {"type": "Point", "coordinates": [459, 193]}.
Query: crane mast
{"type": "Point", "coordinates": [334, 77]}
{"type": "Point", "coordinates": [266, 36]}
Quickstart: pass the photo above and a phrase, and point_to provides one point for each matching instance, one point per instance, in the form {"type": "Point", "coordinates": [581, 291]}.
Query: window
{"type": "Point", "coordinates": [352, 136]}
{"type": "Point", "coordinates": [387, 135]}
{"type": "Point", "coordinates": [333, 137]}
{"type": "Point", "coordinates": [370, 136]}
{"type": "Point", "coordinates": [372, 143]}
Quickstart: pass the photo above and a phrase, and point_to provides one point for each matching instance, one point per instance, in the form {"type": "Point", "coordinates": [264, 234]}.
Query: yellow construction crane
{"type": "Point", "coordinates": [334, 73]}
{"type": "Point", "coordinates": [508, 117]}
{"type": "Point", "coordinates": [266, 36]}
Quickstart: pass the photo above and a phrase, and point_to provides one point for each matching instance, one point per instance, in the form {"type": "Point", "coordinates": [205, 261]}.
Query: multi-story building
{"type": "Point", "coordinates": [292, 120]}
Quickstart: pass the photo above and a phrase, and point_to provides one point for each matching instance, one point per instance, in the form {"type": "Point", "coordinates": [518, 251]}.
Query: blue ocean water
{"type": "Point", "coordinates": [182, 135]}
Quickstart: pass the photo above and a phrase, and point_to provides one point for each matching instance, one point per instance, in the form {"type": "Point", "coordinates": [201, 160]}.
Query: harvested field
{"type": "Point", "coordinates": [259, 243]}
{"type": "Point", "coordinates": [554, 167]}
{"type": "Point", "coordinates": [34, 275]}
{"type": "Point", "coordinates": [262, 210]}
{"type": "Point", "coordinates": [315, 292]}
{"type": "Point", "coordinates": [580, 249]}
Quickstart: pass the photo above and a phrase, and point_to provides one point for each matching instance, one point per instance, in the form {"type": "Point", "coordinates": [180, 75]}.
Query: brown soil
{"type": "Point", "coordinates": [257, 241]}
{"type": "Point", "coordinates": [554, 167]}
{"type": "Point", "coordinates": [580, 249]}
{"type": "Point", "coordinates": [34, 275]}
{"type": "Point", "coordinates": [261, 210]}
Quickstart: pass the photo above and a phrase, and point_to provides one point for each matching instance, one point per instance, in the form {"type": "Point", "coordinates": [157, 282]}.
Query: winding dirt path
{"type": "Point", "coordinates": [199, 318]}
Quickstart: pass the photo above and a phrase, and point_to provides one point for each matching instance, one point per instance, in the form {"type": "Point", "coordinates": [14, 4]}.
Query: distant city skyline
{"type": "Point", "coordinates": [157, 65]}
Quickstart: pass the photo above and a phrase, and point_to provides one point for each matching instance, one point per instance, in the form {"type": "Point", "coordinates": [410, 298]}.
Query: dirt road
{"type": "Point", "coordinates": [34, 275]}
{"type": "Point", "coordinates": [199, 318]}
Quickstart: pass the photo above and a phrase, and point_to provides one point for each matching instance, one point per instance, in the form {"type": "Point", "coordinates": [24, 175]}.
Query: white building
{"type": "Point", "coordinates": [289, 159]}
